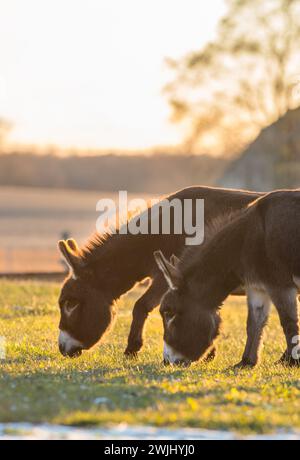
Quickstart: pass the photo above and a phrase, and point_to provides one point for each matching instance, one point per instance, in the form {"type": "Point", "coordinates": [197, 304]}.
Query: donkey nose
{"type": "Point", "coordinates": [182, 363]}
{"type": "Point", "coordinates": [74, 352]}
{"type": "Point", "coordinates": [177, 362]}
{"type": "Point", "coordinates": [68, 346]}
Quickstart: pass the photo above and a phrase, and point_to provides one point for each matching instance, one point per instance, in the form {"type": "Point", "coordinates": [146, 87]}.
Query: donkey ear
{"type": "Point", "coordinates": [174, 261]}
{"type": "Point", "coordinates": [72, 258]}
{"type": "Point", "coordinates": [171, 273]}
{"type": "Point", "coordinates": [73, 245]}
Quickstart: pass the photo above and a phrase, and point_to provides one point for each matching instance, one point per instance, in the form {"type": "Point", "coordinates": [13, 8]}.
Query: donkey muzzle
{"type": "Point", "coordinates": [68, 346]}
{"type": "Point", "coordinates": [173, 357]}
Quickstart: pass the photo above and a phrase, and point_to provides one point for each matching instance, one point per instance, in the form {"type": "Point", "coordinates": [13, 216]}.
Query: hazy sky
{"type": "Point", "coordinates": [89, 73]}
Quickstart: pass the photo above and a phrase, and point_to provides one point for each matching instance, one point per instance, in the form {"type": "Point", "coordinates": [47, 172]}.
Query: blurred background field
{"type": "Point", "coordinates": [33, 220]}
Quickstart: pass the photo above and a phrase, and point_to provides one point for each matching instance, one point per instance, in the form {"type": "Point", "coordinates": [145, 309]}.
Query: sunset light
{"type": "Point", "coordinates": [90, 73]}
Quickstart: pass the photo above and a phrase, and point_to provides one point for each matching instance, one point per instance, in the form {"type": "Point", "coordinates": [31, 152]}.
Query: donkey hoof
{"type": "Point", "coordinates": [130, 353]}
{"type": "Point", "coordinates": [210, 356]}
{"type": "Point", "coordinates": [288, 362]}
{"type": "Point", "coordinates": [133, 348]}
{"type": "Point", "coordinates": [294, 362]}
{"type": "Point", "coordinates": [244, 365]}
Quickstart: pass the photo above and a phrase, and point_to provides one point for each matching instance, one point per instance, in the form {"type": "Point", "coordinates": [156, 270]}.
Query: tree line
{"type": "Point", "coordinates": [160, 173]}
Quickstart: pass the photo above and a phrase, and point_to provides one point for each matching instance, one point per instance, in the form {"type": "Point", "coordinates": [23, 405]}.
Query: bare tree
{"type": "Point", "coordinates": [244, 80]}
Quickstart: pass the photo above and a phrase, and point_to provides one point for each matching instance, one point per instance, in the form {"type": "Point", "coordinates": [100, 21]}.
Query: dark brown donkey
{"type": "Point", "coordinates": [259, 248]}
{"type": "Point", "coordinates": [110, 266]}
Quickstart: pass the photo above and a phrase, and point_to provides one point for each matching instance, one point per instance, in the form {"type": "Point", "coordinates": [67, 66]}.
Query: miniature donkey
{"type": "Point", "coordinates": [110, 266]}
{"type": "Point", "coordinates": [259, 248]}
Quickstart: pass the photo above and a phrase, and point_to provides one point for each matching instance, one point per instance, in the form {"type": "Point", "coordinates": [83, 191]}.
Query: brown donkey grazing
{"type": "Point", "coordinates": [259, 248]}
{"type": "Point", "coordinates": [110, 266]}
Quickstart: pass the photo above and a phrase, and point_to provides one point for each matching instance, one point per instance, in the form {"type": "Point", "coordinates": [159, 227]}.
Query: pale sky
{"type": "Point", "coordinates": [89, 73]}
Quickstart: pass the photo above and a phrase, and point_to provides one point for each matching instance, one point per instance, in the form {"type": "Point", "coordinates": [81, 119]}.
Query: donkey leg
{"type": "Point", "coordinates": [210, 355]}
{"type": "Point", "coordinates": [287, 307]}
{"type": "Point", "coordinates": [258, 312]}
{"type": "Point", "coordinates": [141, 310]}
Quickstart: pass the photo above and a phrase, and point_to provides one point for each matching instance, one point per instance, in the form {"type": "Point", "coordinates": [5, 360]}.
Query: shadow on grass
{"type": "Point", "coordinates": [41, 396]}
{"type": "Point", "coordinates": [44, 395]}
{"type": "Point", "coordinates": [94, 392]}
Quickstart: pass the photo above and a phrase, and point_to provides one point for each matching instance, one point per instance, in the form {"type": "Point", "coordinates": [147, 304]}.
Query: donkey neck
{"type": "Point", "coordinates": [118, 263]}
{"type": "Point", "coordinates": [214, 270]}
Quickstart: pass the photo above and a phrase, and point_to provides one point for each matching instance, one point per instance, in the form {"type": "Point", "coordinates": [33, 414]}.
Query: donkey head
{"type": "Point", "coordinates": [86, 313]}
{"type": "Point", "coordinates": [189, 327]}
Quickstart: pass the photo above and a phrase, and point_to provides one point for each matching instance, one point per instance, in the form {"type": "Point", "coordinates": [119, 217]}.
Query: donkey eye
{"type": "Point", "coordinates": [169, 316]}
{"type": "Point", "coordinates": [70, 306]}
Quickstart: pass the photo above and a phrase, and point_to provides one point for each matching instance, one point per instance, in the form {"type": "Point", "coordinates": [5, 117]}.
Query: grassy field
{"type": "Point", "coordinates": [102, 387]}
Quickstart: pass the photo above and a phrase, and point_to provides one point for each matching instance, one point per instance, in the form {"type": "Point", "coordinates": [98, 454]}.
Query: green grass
{"type": "Point", "coordinates": [102, 387]}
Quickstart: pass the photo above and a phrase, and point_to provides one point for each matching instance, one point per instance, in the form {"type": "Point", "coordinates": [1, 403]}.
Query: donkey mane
{"type": "Point", "coordinates": [94, 244]}
{"type": "Point", "coordinates": [101, 244]}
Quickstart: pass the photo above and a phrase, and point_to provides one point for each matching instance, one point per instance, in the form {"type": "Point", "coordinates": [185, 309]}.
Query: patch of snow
{"type": "Point", "coordinates": [19, 431]}
{"type": "Point", "coordinates": [98, 401]}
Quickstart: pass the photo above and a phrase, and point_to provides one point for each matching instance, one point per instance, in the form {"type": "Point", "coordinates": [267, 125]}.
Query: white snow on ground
{"type": "Point", "coordinates": [124, 432]}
